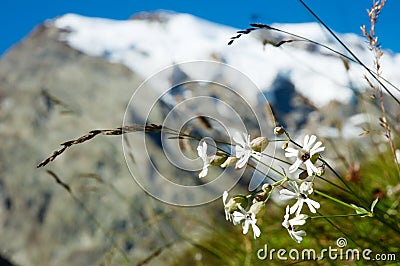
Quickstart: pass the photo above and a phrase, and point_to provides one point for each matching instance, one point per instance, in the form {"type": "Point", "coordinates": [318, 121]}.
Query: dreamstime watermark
{"type": "Point", "coordinates": [337, 252]}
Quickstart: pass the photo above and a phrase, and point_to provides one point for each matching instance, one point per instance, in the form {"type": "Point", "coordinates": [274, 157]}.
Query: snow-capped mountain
{"type": "Point", "coordinates": [150, 42]}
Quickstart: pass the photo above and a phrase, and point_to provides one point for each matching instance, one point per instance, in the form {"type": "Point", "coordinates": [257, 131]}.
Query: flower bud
{"type": "Point", "coordinates": [261, 196]}
{"type": "Point", "coordinates": [232, 204]}
{"type": "Point", "coordinates": [257, 207]}
{"type": "Point", "coordinates": [218, 159]}
{"type": "Point", "coordinates": [303, 175]}
{"type": "Point", "coordinates": [259, 144]}
{"type": "Point", "coordinates": [321, 170]}
{"type": "Point", "coordinates": [229, 162]}
{"type": "Point", "coordinates": [314, 158]}
{"type": "Point", "coordinates": [266, 187]}
{"type": "Point", "coordinates": [279, 130]}
{"type": "Point", "coordinates": [285, 145]}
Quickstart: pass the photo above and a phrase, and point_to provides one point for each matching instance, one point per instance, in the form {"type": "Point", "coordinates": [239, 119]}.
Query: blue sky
{"type": "Point", "coordinates": [19, 17]}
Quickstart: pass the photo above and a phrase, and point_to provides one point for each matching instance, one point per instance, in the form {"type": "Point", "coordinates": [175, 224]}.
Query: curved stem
{"type": "Point", "coordinates": [337, 175]}
{"type": "Point", "coordinates": [374, 75]}
{"type": "Point", "coordinates": [340, 202]}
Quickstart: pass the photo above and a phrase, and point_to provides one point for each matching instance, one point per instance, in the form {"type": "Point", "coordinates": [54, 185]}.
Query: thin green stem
{"type": "Point", "coordinates": [262, 26]}
{"type": "Point", "coordinates": [374, 75]}
{"type": "Point", "coordinates": [269, 166]}
{"type": "Point", "coordinates": [336, 216]}
{"type": "Point", "coordinates": [333, 184]}
{"type": "Point", "coordinates": [337, 200]}
{"type": "Point", "coordinates": [336, 174]}
{"type": "Point", "coordinates": [330, 168]}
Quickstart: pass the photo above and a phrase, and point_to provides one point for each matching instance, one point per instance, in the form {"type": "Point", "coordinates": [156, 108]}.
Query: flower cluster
{"type": "Point", "coordinates": [244, 151]}
{"type": "Point", "coordinates": [237, 209]}
{"type": "Point", "coordinates": [298, 190]}
{"type": "Point", "coordinates": [307, 155]}
{"type": "Point", "coordinates": [300, 194]}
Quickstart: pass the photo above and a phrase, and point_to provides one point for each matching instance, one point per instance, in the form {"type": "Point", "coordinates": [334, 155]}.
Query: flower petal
{"type": "Point", "coordinates": [202, 150]}
{"type": "Point", "coordinates": [224, 197]}
{"type": "Point", "coordinates": [316, 150]}
{"type": "Point", "coordinates": [286, 194]}
{"type": "Point", "coordinates": [204, 171]}
{"type": "Point", "coordinates": [297, 207]}
{"type": "Point", "coordinates": [238, 217]}
{"type": "Point", "coordinates": [311, 168]}
{"type": "Point", "coordinates": [290, 152]}
{"type": "Point", "coordinates": [285, 222]}
{"type": "Point", "coordinates": [298, 220]}
{"type": "Point", "coordinates": [241, 162]}
{"type": "Point", "coordinates": [316, 145]}
{"type": "Point", "coordinates": [312, 205]}
{"type": "Point", "coordinates": [239, 151]}
{"type": "Point", "coordinates": [311, 140]}
{"type": "Point", "coordinates": [305, 143]}
{"type": "Point", "coordinates": [295, 166]}
{"type": "Point", "coordinates": [256, 230]}
{"type": "Point", "coordinates": [297, 235]}
{"type": "Point", "coordinates": [245, 226]}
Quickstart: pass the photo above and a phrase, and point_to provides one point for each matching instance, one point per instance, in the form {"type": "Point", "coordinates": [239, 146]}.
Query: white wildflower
{"type": "Point", "coordinates": [301, 194]}
{"type": "Point", "coordinates": [290, 225]}
{"type": "Point", "coordinates": [243, 149]}
{"type": "Point", "coordinates": [202, 152]}
{"type": "Point", "coordinates": [233, 204]}
{"type": "Point", "coordinates": [226, 206]}
{"type": "Point", "coordinates": [305, 154]}
{"type": "Point", "coordinates": [248, 219]}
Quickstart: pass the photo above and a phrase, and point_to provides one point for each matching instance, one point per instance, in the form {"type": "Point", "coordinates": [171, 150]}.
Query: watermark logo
{"type": "Point", "coordinates": [341, 242]}
{"type": "Point", "coordinates": [337, 252]}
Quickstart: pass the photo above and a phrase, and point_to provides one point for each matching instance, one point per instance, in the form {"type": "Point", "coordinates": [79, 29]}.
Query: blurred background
{"type": "Point", "coordinates": [69, 67]}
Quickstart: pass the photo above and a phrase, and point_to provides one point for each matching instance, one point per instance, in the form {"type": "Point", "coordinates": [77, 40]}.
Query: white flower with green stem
{"type": "Point", "coordinates": [301, 195]}
{"type": "Point", "coordinates": [243, 150]}
{"type": "Point", "coordinates": [202, 152]}
{"type": "Point", "coordinates": [248, 218]}
{"type": "Point", "coordinates": [305, 154]}
{"type": "Point", "coordinates": [232, 205]}
{"type": "Point", "coordinates": [290, 224]}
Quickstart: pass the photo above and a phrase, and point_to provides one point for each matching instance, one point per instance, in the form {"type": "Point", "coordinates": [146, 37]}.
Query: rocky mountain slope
{"type": "Point", "coordinates": [51, 93]}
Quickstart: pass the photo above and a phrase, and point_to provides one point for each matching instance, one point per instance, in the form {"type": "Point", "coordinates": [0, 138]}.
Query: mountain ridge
{"type": "Point", "coordinates": [147, 47]}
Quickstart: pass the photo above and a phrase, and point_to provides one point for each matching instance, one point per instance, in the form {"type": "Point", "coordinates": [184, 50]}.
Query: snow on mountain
{"type": "Point", "coordinates": [147, 45]}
